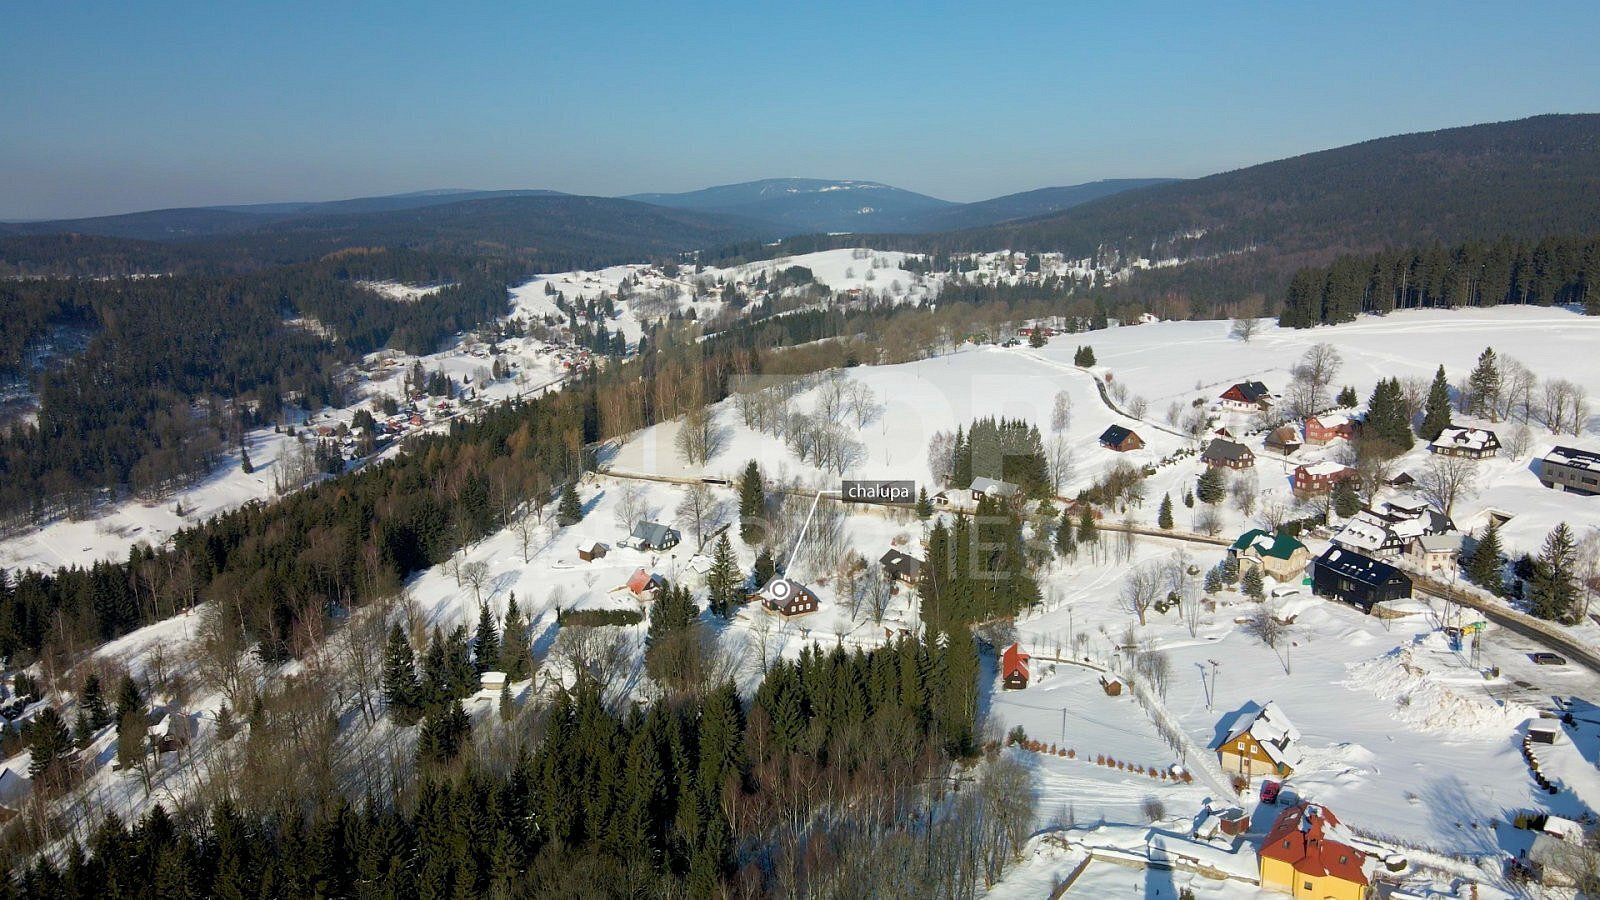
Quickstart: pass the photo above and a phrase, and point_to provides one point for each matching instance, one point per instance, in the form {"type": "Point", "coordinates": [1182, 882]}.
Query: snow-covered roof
{"type": "Point", "coordinates": [1466, 438]}
{"type": "Point", "coordinates": [1575, 458]}
{"type": "Point", "coordinates": [1329, 421]}
{"type": "Point", "coordinates": [1362, 533]}
{"type": "Point", "coordinates": [1274, 732]}
{"type": "Point", "coordinates": [1563, 828]}
{"type": "Point", "coordinates": [1228, 450]}
{"type": "Point", "coordinates": [1323, 469]}
{"type": "Point", "coordinates": [1361, 568]}
{"type": "Point", "coordinates": [992, 487]}
{"type": "Point", "coordinates": [1281, 546]}
{"type": "Point", "coordinates": [1440, 543]}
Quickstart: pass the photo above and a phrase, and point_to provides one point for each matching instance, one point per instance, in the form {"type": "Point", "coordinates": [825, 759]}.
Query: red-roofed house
{"type": "Point", "coordinates": [645, 585]}
{"type": "Point", "coordinates": [1313, 479]}
{"type": "Point", "coordinates": [1324, 429]}
{"type": "Point", "coordinates": [1014, 668]}
{"type": "Point", "coordinates": [1308, 854]}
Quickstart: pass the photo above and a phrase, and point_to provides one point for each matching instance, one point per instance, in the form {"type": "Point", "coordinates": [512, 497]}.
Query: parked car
{"type": "Point", "coordinates": [1548, 659]}
{"type": "Point", "coordinates": [1287, 590]}
{"type": "Point", "coordinates": [1269, 791]}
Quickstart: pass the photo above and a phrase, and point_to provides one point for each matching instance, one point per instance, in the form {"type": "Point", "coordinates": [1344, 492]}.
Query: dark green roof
{"type": "Point", "coordinates": [1280, 546]}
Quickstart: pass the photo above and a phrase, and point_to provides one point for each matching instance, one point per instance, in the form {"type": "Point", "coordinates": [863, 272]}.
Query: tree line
{"type": "Point", "coordinates": [701, 796]}
{"type": "Point", "coordinates": [1545, 272]}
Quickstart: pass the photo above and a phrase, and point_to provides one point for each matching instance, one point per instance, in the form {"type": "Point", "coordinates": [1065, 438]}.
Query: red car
{"type": "Point", "coordinates": [1269, 791]}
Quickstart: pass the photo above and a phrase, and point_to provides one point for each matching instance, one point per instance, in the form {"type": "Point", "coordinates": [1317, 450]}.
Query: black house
{"type": "Point", "coordinates": [901, 567]}
{"type": "Point", "coordinates": [1356, 579]}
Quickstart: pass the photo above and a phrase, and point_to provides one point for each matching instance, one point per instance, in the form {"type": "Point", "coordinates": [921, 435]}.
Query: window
{"type": "Point", "coordinates": [1308, 885]}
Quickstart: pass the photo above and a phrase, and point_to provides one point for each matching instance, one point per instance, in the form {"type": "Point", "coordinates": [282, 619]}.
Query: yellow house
{"type": "Point", "coordinates": [1307, 854]}
{"type": "Point", "coordinates": [1278, 556]}
{"type": "Point", "coordinates": [1260, 743]}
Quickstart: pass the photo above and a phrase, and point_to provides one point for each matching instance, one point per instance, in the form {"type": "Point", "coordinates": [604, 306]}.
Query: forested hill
{"type": "Point", "coordinates": [1248, 230]}
{"type": "Point", "coordinates": [1526, 178]}
{"type": "Point", "coordinates": [209, 221]}
{"type": "Point", "coordinates": [1028, 204]}
{"type": "Point", "coordinates": [549, 232]}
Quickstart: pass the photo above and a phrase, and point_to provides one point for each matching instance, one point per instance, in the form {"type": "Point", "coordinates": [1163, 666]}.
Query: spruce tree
{"type": "Point", "coordinates": [1214, 581]}
{"type": "Point", "coordinates": [1164, 517]}
{"type": "Point", "coordinates": [764, 568]}
{"type": "Point", "coordinates": [1346, 502]}
{"type": "Point", "coordinates": [508, 707]}
{"type": "Point", "coordinates": [570, 510]}
{"type": "Point", "coordinates": [129, 701]}
{"type": "Point", "coordinates": [1386, 423]}
{"type": "Point", "coordinates": [1483, 386]}
{"type": "Point", "coordinates": [94, 703]}
{"type": "Point", "coordinates": [924, 507]}
{"type": "Point", "coordinates": [244, 461]}
{"type": "Point", "coordinates": [1066, 539]}
{"type": "Point", "coordinates": [1348, 397]}
{"type": "Point", "coordinates": [514, 643]}
{"type": "Point", "coordinates": [227, 727]}
{"type": "Point", "coordinates": [1436, 413]}
{"type": "Point", "coordinates": [752, 504]}
{"type": "Point", "coordinates": [1212, 486]}
{"type": "Point", "coordinates": [1483, 566]}
{"type": "Point", "coordinates": [1036, 338]}
{"type": "Point", "coordinates": [401, 690]}
{"type": "Point", "coordinates": [1553, 589]}
{"type": "Point", "coordinates": [722, 581]}
{"type": "Point", "coordinates": [961, 465]}
{"type": "Point", "coordinates": [1088, 531]}
{"type": "Point", "coordinates": [82, 731]}
{"type": "Point", "coordinates": [486, 647]}
{"type": "Point", "coordinates": [51, 744]}
{"type": "Point", "coordinates": [1251, 584]}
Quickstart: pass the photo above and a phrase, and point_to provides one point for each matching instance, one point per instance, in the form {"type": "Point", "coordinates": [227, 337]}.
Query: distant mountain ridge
{"type": "Point", "coordinates": [182, 223]}
{"type": "Point", "coordinates": [780, 207]}
{"type": "Point", "coordinates": [809, 205]}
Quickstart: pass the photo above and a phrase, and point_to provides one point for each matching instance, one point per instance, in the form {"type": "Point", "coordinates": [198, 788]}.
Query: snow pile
{"type": "Point", "coordinates": [1431, 701]}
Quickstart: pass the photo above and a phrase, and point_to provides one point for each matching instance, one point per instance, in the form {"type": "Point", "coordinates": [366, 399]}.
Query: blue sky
{"type": "Point", "coordinates": [115, 107]}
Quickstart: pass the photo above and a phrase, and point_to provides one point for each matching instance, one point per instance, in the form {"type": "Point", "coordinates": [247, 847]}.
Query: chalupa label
{"type": "Point", "coordinates": [879, 491]}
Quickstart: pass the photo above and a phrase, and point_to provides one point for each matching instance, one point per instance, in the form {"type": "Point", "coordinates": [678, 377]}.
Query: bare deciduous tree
{"type": "Point", "coordinates": [698, 437]}
{"type": "Point", "coordinates": [1311, 378]}
{"type": "Point", "coordinates": [941, 457]}
{"type": "Point", "coordinates": [864, 405]}
{"type": "Point", "coordinates": [1061, 412]}
{"type": "Point", "coordinates": [1516, 441]}
{"type": "Point", "coordinates": [1243, 490]}
{"type": "Point", "coordinates": [1062, 463]}
{"type": "Point", "coordinates": [630, 508]}
{"type": "Point", "coordinates": [703, 511]}
{"type": "Point", "coordinates": [1517, 383]}
{"type": "Point", "coordinates": [1244, 329]}
{"type": "Point", "coordinates": [1138, 406]}
{"type": "Point", "coordinates": [526, 530]}
{"type": "Point", "coordinates": [1140, 590]}
{"type": "Point", "coordinates": [1447, 479]}
{"type": "Point", "coordinates": [1263, 625]}
{"type": "Point", "coordinates": [476, 574]}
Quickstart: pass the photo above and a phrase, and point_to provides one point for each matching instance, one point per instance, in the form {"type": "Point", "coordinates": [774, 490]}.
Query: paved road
{"type": "Point", "coordinates": [1541, 633]}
